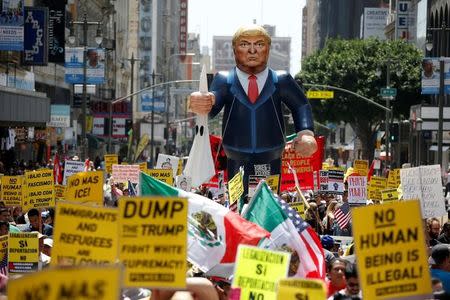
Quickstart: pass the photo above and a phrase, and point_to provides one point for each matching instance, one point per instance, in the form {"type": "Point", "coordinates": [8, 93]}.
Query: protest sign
{"type": "Point", "coordinates": [153, 240]}
{"type": "Point", "coordinates": [424, 183]}
{"type": "Point", "coordinates": [301, 289]}
{"type": "Point", "coordinates": [85, 187]}
{"type": "Point", "coordinates": [72, 167]}
{"type": "Point", "coordinates": [11, 193]}
{"type": "Point", "coordinates": [60, 191]}
{"type": "Point", "coordinates": [357, 189]}
{"type": "Point", "coordinates": [257, 272]}
{"type": "Point", "coordinates": [4, 253]}
{"type": "Point", "coordinates": [84, 235]}
{"type": "Point", "coordinates": [165, 161]}
{"type": "Point", "coordinates": [273, 182]}
{"type": "Point", "coordinates": [389, 195]}
{"type": "Point", "coordinates": [123, 173]}
{"type": "Point", "coordinates": [23, 252]}
{"type": "Point", "coordinates": [336, 181]}
{"type": "Point", "coordinates": [235, 187]}
{"type": "Point", "coordinates": [361, 167]}
{"type": "Point", "coordinates": [390, 251]}
{"type": "Point", "coordinates": [299, 207]}
{"type": "Point", "coordinates": [376, 184]}
{"type": "Point", "coordinates": [393, 179]}
{"type": "Point", "coordinates": [184, 182]}
{"type": "Point", "coordinates": [323, 181]}
{"type": "Point", "coordinates": [68, 283]}
{"type": "Point", "coordinates": [164, 175]}
{"type": "Point", "coordinates": [110, 160]}
{"type": "Point", "coordinates": [143, 166]}
{"type": "Point", "coordinates": [39, 189]}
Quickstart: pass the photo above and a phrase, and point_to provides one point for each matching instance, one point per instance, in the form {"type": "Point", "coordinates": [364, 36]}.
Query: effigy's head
{"type": "Point", "coordinates": [251, 31]}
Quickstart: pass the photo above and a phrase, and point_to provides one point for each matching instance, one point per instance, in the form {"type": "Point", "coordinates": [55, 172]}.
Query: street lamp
{"type": "Point", "coordinates": [429, 46]}
{"type": "Point", "coordinates": [98, 40]}
{"type": "Point", "coordinates": [168, 78]}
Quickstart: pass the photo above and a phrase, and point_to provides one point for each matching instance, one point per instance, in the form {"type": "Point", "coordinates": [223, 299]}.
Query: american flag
{"type": "Point", "coordinates": [131, 189]}
{"type": "Point", "coordinates": [342, 215]}
{"type": "Point", "coordinates": [309, 241]}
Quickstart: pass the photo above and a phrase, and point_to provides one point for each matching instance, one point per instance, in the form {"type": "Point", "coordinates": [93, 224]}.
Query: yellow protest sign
{"type": "Point", "coordinates": [258, 270]}
{"type": "Point", "coordinates": [4, 248]}
{"type": "Point", "coordinates": [389, 195]}
{"type": "Point", "coordinates": [84, 235]}
{"type": "Point", "coordinates": [153, 241]}
{"type": "Point", "coordinates": [361, 167]}
{"type": "Point", "coordinates": [299, 208]}
{"type": "Point", "coordinates": [39, 189]}
{"type": "Point", "coordinates": [60, 191]}
{"type": "Point", "coordinates": [235, 187]}
{"type": "Point", "coordinates": [85, 187]}
{"type": "Point", "coordinates": [23, 252]}
{"type": "Point", "coordinates": [143, 166]}
{"type": "Point", "coordinates": [325, 166]}
{"type": "Point", "coordinates": [376, 184]}
{"type": "Point", "coordinates": [180, 167]}
{"type": "Point", "coordinates": [164, 175]}
{"type": "Point", "coordinates": [110, 160]}
{"type": "Point", "coordinates": [390, 251]}
{"type": "Point", "coordinates": [11, 193]}
{"type": "Point", "coordinates": [68, 283]}
{"type": "Point", "coordinates": [393, 178]}
{"type": "Point", "coordinates": [301, 289]}
{"type": "Point", "coordinates": [273, 181]}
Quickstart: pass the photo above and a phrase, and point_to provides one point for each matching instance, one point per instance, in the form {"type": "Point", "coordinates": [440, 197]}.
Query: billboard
{"type": "Point", "coordinates": [95, 65]}
{"type": "Point", "coordinates": [11, 25]}
{"type": "Point", "coordinates": [374, 22]}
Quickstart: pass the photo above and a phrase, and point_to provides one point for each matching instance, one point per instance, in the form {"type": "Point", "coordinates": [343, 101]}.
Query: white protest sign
{"type": "Point", "coordinates": [357, 189]}
{"type": "Point", "coordinates": [123, 173]}
{"type": "Point", "coordinates": [183, 182]}
{"type": "Point", "coordinates": [72, 167]}
{"type": "Point", "coordinates": [167, 162]}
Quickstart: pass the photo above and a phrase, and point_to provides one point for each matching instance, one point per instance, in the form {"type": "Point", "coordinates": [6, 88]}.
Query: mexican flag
{"type": "Point", "coordinates": [214, 232]}
{"type": "Point", "coordinates": [289, 232]}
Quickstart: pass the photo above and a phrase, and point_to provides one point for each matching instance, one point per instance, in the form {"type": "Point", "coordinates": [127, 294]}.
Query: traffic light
{"type": "Point", "coordinates": [393, 132]}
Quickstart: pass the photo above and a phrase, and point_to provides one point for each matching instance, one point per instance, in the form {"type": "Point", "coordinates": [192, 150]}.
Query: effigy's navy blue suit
{"type": "Point", "coordinates": [254, 134]}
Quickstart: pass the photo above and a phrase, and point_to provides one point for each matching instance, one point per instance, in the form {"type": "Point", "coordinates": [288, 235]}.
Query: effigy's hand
{"type": "Point", "coordinates": [201, 103]}
{"type": "Point", "coordinates": [305, 144]}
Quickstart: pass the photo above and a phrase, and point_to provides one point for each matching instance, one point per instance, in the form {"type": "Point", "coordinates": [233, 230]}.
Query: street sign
{"type": "Point", "coordinates": [320, 94]}
{"type": "Point", "coordinates": [388, 92]}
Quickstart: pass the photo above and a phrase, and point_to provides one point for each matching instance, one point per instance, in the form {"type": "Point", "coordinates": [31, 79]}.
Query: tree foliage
{"type": "Point", "coordinates": [353, 65]}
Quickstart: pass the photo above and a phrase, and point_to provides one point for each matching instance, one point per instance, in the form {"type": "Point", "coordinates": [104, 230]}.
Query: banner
{"type": "Point", "coordinates": [68, 283]}
{"type": "Point", "coordinates": [304, 166]}
{"type": "Point", "coordinates": [56, 29]}
{"type": "Point", "coordinates": [39, 189]}
{"type": "Point", "coordinates": [23, 252]}
{"type": "Point", "coordinates": [357, 189]}
{"type": "Point", "coordinates": [11, 193]}
{"type": "Point", "coordinates": [424, 183]}
{"type": "Point", "coordinates": [11, 25]}
{"type": "Point", "coordinates": [301, 289]}
{"type": "Point", "coordinates": [72, 167]}
{"type": "Point", "coordinates": [85, 187]}
{"type": "Point", "coordinates": [390, 251]}
{"type": "Point", "coordinates": [95, 65]}
{"type": "Point", "coordinates": [84, 235]}
{"type": "Point", "coordinates": [153, 241]}
{"type": "Point", "coordinates": [110, 160]}
{"type": "Point", "coordinates": [123, 173]}
{"type": "Point", "coordinates": [35, 50]}
{"type": "Point", "coordinates": [165, 175]}
{"type": "Point", "coordinates": [258, 270]}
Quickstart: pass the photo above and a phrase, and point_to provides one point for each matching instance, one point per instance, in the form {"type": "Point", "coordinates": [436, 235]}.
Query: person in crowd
{"type": "Point", "coordinates": [35, 220]}
{"type": "Point", "coordinates": [352, 289]}
{"type": "Point", "coordinates": [4, 228]}
{"type": "Point", "coordinates": [252, 95]}
{"type": "Point", "coordinates": [312, 218]}
{"type": "Point", "coordinates": [5, 217]}
{"type": "Point", "coordinates": [434, 228]}
{"type": "Point", "coordinates": [328, 220]}
{"type": "Point", "coordinates": [444, 237]}
{"type": "Point", "coordinates": [47, 247]}
{"type": "Point", "coordinates": [327, 244]}
{"type": "Point", "coordinates": [440, 267]}
{"type": "Point", "coordinates": [49, 217]}
{"type": "Point", "coordinates": [336, 276]}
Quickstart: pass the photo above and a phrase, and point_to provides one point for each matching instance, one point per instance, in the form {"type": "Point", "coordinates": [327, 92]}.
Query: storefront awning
{"type": "Point", "coordinates": [21, 107]}
{"type": "Point", "coordinates": [435, 148]}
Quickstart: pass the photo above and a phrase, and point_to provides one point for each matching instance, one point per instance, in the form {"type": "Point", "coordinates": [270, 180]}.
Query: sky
{"type": "Point", "coordinates": [223, 17]}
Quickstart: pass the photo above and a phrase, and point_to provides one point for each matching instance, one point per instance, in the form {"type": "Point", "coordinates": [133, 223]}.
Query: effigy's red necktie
{"type": "Point", "coordinates": [252, 88]}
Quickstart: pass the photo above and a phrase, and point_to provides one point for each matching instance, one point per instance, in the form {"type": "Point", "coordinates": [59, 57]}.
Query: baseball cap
{"type": "Point", "coordinates": [327, 241]}
{"type": "Point", "coordinates": [48, 242]}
